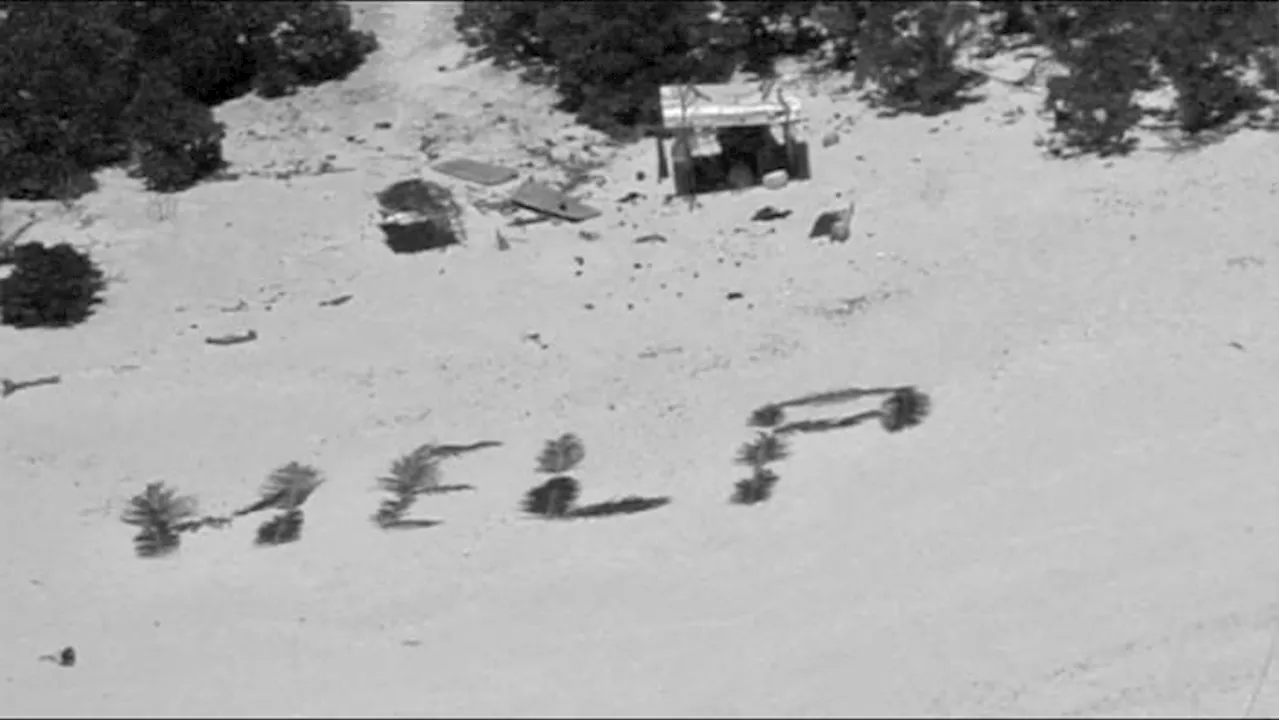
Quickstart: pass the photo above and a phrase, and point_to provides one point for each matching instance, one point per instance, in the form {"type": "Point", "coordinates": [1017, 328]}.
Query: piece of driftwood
{"type": "Point", "coordinates": [233, 339]}
{"type": "Point", "coordinates": [9, 387]}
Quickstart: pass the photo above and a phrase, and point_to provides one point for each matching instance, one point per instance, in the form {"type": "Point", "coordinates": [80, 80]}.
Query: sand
{"type": "Point", "coordinates": [1085, 525]}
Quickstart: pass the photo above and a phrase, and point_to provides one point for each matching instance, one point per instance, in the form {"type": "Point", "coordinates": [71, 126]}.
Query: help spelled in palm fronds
{"type": "Point", "coordinates": [555, 497]}
{"type": "Point", "coordinates": [285, 490]}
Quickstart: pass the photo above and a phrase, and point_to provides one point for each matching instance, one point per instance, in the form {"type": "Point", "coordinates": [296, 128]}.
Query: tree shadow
{"type": "Point", "coordinates": [629, 505]}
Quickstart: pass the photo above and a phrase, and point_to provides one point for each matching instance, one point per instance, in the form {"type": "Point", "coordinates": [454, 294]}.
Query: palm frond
{"type": "Point", "coordinates": [553, 498]}
{"type": "Point", "coordinates": [561, 455]}
{"type": "Point", "coordinates": [412, 473]}
{"type": "Point", "coordinates": [158, 508]}
{"type": "Point", "coordinates": [766, 416]}
{"type": "Point", "coordinates": [285, 527]}
{"type": "Point", "coordinates": [907, 407]}
{"type": "Point", "coordinates": [154, 543]}
{"type": "Point", "coordinates": [755, 489]}
{"type": "Point", "coordinates": [765, 449]}
{"type": "Point", "coordinates": [288, 486]}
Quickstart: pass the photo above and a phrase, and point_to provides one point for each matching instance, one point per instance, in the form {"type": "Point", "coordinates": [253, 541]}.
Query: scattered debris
{"type": "Point", "coordinates": [834, 224]}
{"type": "Point", "coordinates": [545, 199]}
{"type": "Point", "coordinates": [232, 339]}
{"type": "Point", "coordinates": [1236, 345]}
{"type": "Point", "coordinates": [588, 235]}
{"type": "Point", "coordinates": [503, 244]}
{"type": "Point", "coordinates": [831, 138]}
{"type": "Point", "coordinates": [775, 180]}
{"type": "Point", "coordinates": [476, 172]}
{"type": "Point", "coordinates": [334, 302]}
{"type": "Point", "coordinates": [9, 387]}
{"type": "Point", "coordinates": [630, 197]}
{"type": "Point", "coordinates": [382, 125]}
{"type": "Point", "coordinates": [655, 238]}
{"type": "Point", "coordinates": [536, 338]}
{"type": "Point", "coordinates": [769, 212]}
{"type": "Point", "coordinates": [733, 296]}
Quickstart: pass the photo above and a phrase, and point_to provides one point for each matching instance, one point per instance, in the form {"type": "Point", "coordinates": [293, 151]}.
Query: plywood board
{"type": "Point", "coordinates": [545, 199]}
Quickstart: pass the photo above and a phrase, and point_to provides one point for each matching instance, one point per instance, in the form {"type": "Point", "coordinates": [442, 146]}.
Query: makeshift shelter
{"type": "Point", "coordinates": [416, 215]}
{"type": "Point", "coordinates": [754, 131]}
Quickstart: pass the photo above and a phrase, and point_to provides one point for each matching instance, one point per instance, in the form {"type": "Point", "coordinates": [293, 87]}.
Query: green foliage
{"type": "Point", "coordinates": [158, 513]}
{"type": "Point", "coordinates": [906, 408]}
{"type": "Point", "coordinates": [177, 140]}
{"type": "Point", "coordinates": [411, 475]}
{"type": "Point", "coordinates": [85, 85]}
{"type": "Point", "coordinates": [281, 529]}
{"type": "Point", "coordinates": [288, 486]}
{"type": "Point", "coordinates": [606, 59]}
{"type": "Point", "coordinates": [909, 50]}
{"type": "Point", "coordinates": [756, 489]}
{"type": "Point", "coordinates": [552, 499]}
{"type": "Point", "coordinates": [561, 455]}
{"type": "Point", "coordinates": [765, 449]}
{"type": "Point", "coordinates": [49, 286]}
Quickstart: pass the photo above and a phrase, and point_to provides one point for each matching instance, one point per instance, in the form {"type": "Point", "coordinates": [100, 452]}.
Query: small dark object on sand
{"type": "Point", "coordinates": [65, 658]}
{"type": "Point", "coordinates": [650, 239]}
{"type": "Point", "coordinates": [9, 387]}
{"type": "Point", "coordinates": [232, 339]}
{"type": "Point", "coordinates": [769, 212]}
{"type": "Point", "coordinates": [334, 302]}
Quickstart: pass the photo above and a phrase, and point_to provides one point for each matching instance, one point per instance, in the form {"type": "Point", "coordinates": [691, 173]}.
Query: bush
{"type": "Point", "coordinates": [76, 79]}
{"type": "Point", "coordinates": [606, 60]}
{"type": "Point", "coordinates": [909, 51]}
{"type": "Point", "coordinates": [176, 139]}
{"type": "Point", "coordinates": [66, 73]}
{"type": "Point", "coordinates": [309, 43]}
{"type": "Point", "coordinates": [49, 286]}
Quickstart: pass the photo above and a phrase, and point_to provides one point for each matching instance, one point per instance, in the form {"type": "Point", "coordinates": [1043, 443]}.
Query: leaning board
{"type": "Point", "coordinates": [712, 106]}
